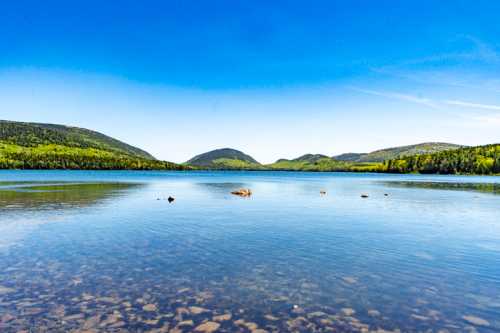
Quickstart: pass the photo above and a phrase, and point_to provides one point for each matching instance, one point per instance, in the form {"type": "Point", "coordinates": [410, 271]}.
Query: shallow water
{"type": "Point", "coordinates": [104, 251]}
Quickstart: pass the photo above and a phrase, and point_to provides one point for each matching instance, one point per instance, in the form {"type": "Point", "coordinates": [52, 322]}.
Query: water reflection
{"type": "Point", "coordinates": [493, 188]}
{"type": "Point", "coordinates": [285, 260]}
{"type": "Point", "coordinates": [49, 195]}
{"type": "Point", "coordinates": [25, 206]}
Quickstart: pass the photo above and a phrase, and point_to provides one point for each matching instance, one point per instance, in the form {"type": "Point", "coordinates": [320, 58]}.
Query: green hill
{"type": "Point", "coordinates": [224, 159]}
{"type": "Point", "coordinates": [49, 146]}
{"type": "Point", "coordinates": [468, 160]}
{"type": "Point", "coordinates": [311, 158]}
{"type": "Point", "coordinates": [322, 163]}
{"type": "Point", "coordinates": [349, 157]}
{"type": "Point", "coordinates": [397, 152]}
{"type": "Point", "coordinates": [355, 162]}
{"type": "Point", "coordinates": [34, 134]}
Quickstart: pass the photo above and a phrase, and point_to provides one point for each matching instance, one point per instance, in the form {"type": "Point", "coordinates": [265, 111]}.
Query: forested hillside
{"type": "Point", "coordinates": [34, 134]}
{"type": "Point", "coordinates": [324, 164]}
{"type": "Point", "coordinates": [46, 146]}
{"type": "Point", "coordinates": [224, 159]}
{"type": "Point", "coordinates": [481, 160]}
{"type": "Point", "coordinates": [397, 152]}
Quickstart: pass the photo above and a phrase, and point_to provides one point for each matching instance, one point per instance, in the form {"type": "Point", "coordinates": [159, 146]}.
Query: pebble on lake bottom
{"type": "Point", "coordinates": [476, 321]}
{"type": "Point", "coordinates": [207, 327]}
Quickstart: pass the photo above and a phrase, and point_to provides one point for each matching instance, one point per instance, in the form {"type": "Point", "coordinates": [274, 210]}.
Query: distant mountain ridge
{"type": "Point", "coordinates": [349, 157]}
{"type": "Point", "coordinates": [358, 161]}
{"type": "Point", "coordinates": [310, 158]}
{"type": "Point", "coordinates": [50, 146]}
{"type": "Point", "coordinates": [396, 152]}
{"type": "Point", "coordinates": [228, 158]}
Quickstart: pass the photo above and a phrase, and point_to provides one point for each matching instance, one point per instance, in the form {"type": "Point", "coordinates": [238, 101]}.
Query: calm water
{"type": "Point", "coordinates": [105, 252]}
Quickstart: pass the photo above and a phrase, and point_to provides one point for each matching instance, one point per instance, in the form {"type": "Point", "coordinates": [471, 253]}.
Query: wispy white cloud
{"type": "Point", "coordinates": [474, 65]}
{"type": "Point", "coordinates": [473, 105]}
{"type": "Point", "coordinates": [484, 51]}
{"type": "Point", "coordinates": [479, 51]}
{"type": "Point", "coordinates": [399, 96]}
{"type": "Point", "coordinates": [432, 103]}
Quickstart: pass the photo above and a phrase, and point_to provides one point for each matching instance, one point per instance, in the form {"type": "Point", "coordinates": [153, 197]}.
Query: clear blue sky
{"type": "Point", "coordinates": [272, 78]}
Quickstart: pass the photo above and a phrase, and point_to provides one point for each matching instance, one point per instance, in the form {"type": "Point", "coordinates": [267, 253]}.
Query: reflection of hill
{"type": "Point", "coordinates": [43, 195]}
{"type": "Point", "coordinates": [220, 190]}
{"type": "Point", "coordinates": [221, 187]}
{"type": "Point", "coordinates": [493, 188]}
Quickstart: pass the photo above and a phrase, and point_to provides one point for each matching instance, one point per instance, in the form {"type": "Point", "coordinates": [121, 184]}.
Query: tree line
{"type": "Point", "coordinates": [482, 160]}
{"type": "Point", "coordinates": [61, 157]}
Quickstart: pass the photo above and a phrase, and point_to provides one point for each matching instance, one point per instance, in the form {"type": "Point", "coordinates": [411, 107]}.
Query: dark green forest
{"type": "Point", "coordinates": [62, 157]}
{"type": "Point", "coordinates": [48, 146]}
{"type": "Point", "coordinates": [34, 134]}
{"type": "Point", "coordinates": [482, 160]}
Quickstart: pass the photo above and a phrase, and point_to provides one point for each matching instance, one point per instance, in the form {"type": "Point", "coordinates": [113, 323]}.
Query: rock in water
{"type": "Point", "coordinates": [348, 311]}
{"type": "Point", "coordinates": [207, 327]}
{"type": "Point", "coordinates": [349, 279]}
{"type": "Point", "coordinates": [149, 307]}
{"type": "Point", "coordinates": [476, 321]}
{"type": "Point", "coordinates": [196, 310]}
{"type": "Point", "coordinates": [170, 199]}
{"type": "Point", "coordinates": [364, 195]}
{"type": "Point", "coordinates": [242, 192]}
{"type": "Point", "coordinates": [223, 317]}
{"type": "Point", "coordinates": [5, 290]}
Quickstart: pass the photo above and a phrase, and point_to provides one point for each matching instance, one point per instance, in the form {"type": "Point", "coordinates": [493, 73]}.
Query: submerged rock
{"type": "Point", "coordinates": [298, 310]}
{"type": "Point", "coordinates": [207, 327]}
{"type": "Point", "coordinates": [151, 322]}
{"type": "Point", "coordinates": [5, 290]}
{"type": "Point", "coordinates": [271, 317]}
{"type": "Point", "coordinates": [348, 311]}
{"type": "Point", "coordinates": [149, 308]}
{"type": "Point", "coordinates": [251, 326]}
{"type": "Point", "coordinates": [196, 310]}
{"type": "Point", "coordinates": [185, 323]}
{"type": "Point", "coordinates": [183, 290]}
{"type": "Point", "coordinates": [419, 317]}
{"type": "Point", "coordinates": [476, 321]}
{"type": "Point", "coordinates": [6, 318]}
{"type": "Point", "coordinates": [112, 319]}
{"type": "Point", "coordinates": [87, 297]}
{"type": "Point", "coordinates": [91, 322]}
{"type": "Point", "coordinates": [223, 317]}
{"type": "Point", "coordinates": [73, 317]}
{"type": "Point", "coordinates": [350, 279]}
{"type": "Point", "coordinates": [316, 314]}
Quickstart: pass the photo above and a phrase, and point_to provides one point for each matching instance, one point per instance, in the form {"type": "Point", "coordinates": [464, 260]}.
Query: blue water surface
{"type": "Point", "coordinates": [104, 251]}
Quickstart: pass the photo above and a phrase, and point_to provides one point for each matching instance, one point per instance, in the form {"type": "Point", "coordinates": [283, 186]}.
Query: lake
{"type": "Point", "coordinates": [105, 251]}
